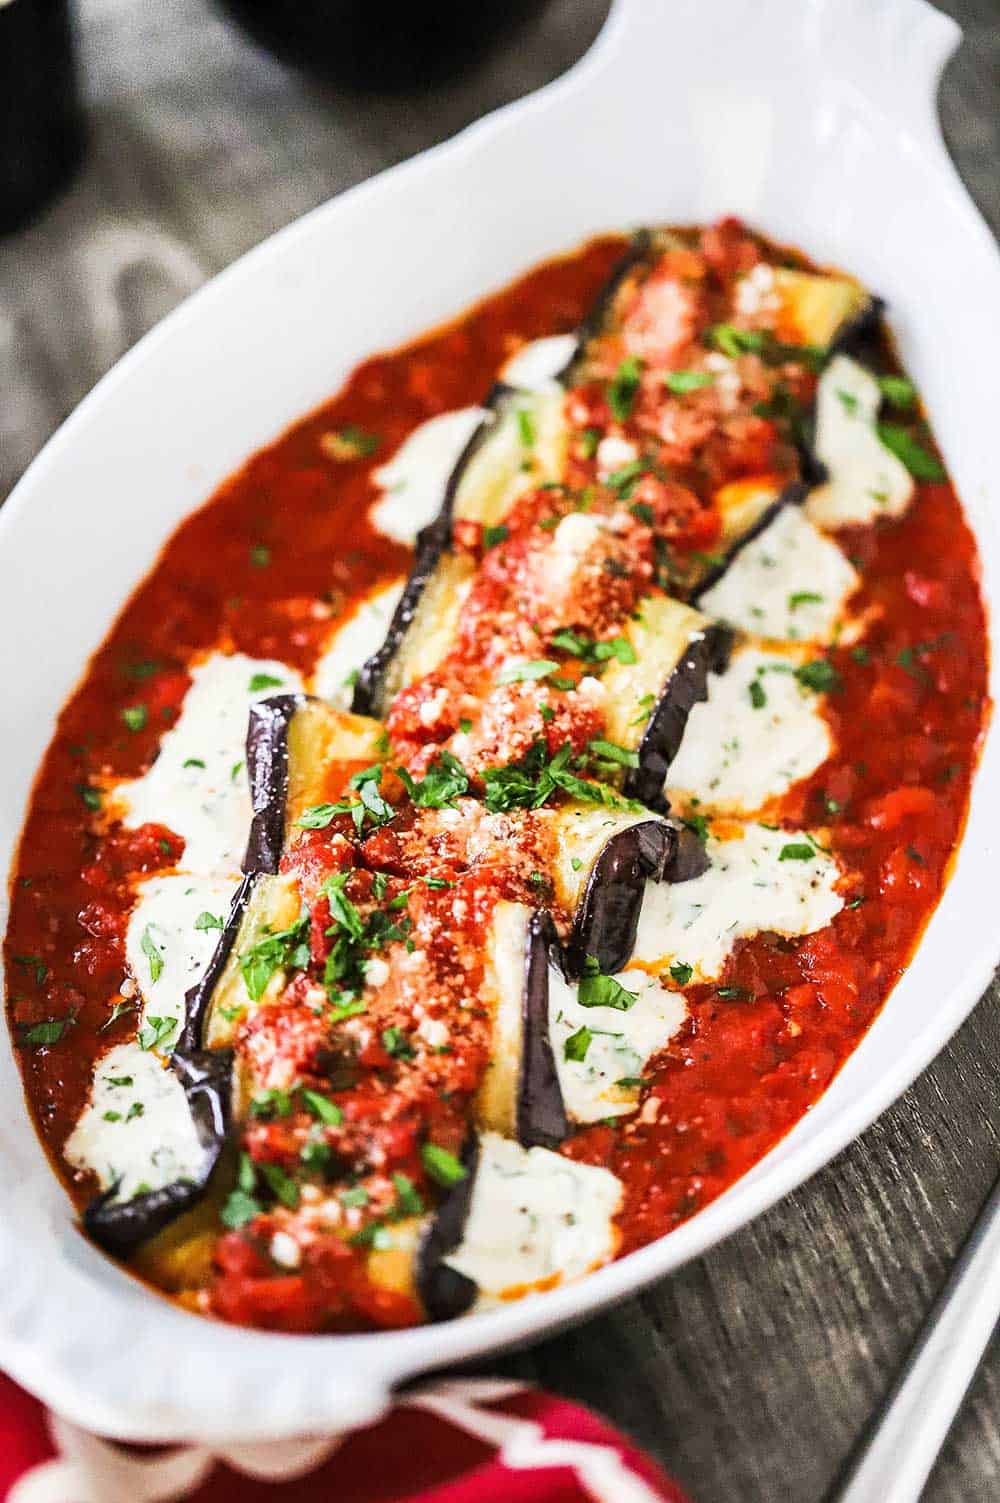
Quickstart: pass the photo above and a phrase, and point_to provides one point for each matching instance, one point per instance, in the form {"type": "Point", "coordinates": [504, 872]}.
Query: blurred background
{"type": "Point", "coordinates": [203, 126]}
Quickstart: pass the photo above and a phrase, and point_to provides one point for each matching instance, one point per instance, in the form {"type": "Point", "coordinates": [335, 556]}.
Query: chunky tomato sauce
{"type": "Point", "coordinates": [285, 547]}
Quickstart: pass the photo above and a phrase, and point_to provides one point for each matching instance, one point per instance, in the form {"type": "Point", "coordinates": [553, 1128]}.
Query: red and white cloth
{"type": "Point", "coordinates": [463, 1441]}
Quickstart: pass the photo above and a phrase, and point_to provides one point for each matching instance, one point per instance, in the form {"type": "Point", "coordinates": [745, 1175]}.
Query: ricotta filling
{"type": "Point", "coordinates": [535, 1220]}
{"type": "Point", "coordinates": [172, 931]}
{"type": "Point", "coordinates": [790, 583]}
{"type": "Point", "coordinates": [414, 480]}
{"type": "Point", "coordinates": [601, 1052]}
{"type": "Point", "coordinates": [136, 1132]}
{"type": "Point", "coordinates": [762, 880]}
{"type": "Point", "coordinates": [352, 642]}
{"type": "Point", "coordinates": [759, 732]}
{"type": "Point", "coordinates": [535, 366]}
{"type": "Point", "coordinates": [198, 787]}
{"type": "Point", "coordinates": [866, 480]}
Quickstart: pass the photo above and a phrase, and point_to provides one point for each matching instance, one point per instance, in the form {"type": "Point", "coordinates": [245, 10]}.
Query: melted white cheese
{"type": "Point", "coordinates": [748, 888]}
{"type": "Point", "coordinates": [197, 787]}
{"type": "Point", "coordinates": [536, 1218]}
{"type": "Point", "coordinates": [413, 481]}
{"type": "Point", "coordinates": [866, 480]}
{"type": "Point", "coordinates": [352, 642]}
{"type": "Point", "coordinates": [136, 1130]}
{"type": "Point", "coordinates": [536, 365]}
{"type": "Point", "coordinates": [789, 583]}
{"type": "Point", "coordinates": [621, 1042]}
{"type": "Point", "coordinates": [164, 919]}
{"type": "Point", "coordinates": [738, 753]}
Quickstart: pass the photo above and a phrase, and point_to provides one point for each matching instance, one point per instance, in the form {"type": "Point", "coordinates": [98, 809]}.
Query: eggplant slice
{"type": "Point", "coordinates": [494, 469]}
{"type": "Point", "coordinates": [292, 743]}
{"type": "Point", "coordinates": [444, 1291]}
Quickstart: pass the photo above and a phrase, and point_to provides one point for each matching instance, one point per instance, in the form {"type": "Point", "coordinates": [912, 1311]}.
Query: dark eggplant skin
{"type": "Point", "coordinates": [540, 1114]}
{"type": "Point", "coordinates": [206, 1076]}
{"type": "Point", "coordinates": [607, 917]}
{"type": "Point", "coordinates": [594, 323]}
{"type": "Point", "coordinates": [690, 858]}
{"type": "Point", "coordinates": [687, 685]}
{"type": "Point", "coordinates": [370, 696]}
{"type": "Point", "coordinates": [267, 768]}
{"type": "Point", "coordinates": [444, 1292]}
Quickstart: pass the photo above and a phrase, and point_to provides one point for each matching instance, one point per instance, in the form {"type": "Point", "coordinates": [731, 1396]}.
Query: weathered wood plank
{"type": "Point", "coordinates": [750, 1372]}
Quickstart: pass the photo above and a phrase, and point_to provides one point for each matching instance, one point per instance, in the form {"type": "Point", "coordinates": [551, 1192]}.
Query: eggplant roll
{"type": "Point", "coordinates": [521, 1218]}
{"type": "Point", "coordinates": [520, 444]}
{"type": "Point", "coordinates": [297, 746]}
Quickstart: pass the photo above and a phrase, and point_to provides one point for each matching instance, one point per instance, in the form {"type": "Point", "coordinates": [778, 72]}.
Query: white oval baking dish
{"type": "Point", "coordinates": [816, 120]}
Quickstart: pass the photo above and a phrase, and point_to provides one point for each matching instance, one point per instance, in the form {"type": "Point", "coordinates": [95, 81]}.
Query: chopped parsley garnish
{"type": "Point", "coordinates": [757, 696]}
{"type": "Point", "coordinates": [354, 1198]}
{"type": "Point", "coordinates": [208, 920]}
{"type": "Point", "coordinates": [589, 440]}
{"type": "Point", "coordinates": [465, 726]}
{"type": "Point", "coordinates": [281, 1185]}
{"type": "Point", "coordinates": [734, 993]}
{"type": "Point", "coordinates": [590, 651]}
{"type": "Point", "coordinates": [235, 771]}
{"type": "Point", "coordinates": [494, 535]}
{"type": "Point", "coordinates": [239, 1209]}
{"type": "Point", "coordinates": [155, 1030]}
{"type": "Point", "coordinates": [921, 463]}
{"type": "Point", "coordinates": [516, 673]}
{"type": "Point", "coordinates": [624, 480]}
{"type": "Point", "coordinates": [643, 513]}
{"type": "Point", "coordinates": [351, 442]}
{"type": "Point", "coordinates": [287, 949]}
{"type": "Point", "coordinates": [681, 382]}
{"type": "Point", "coordinates": [260, 555]}
{"type": "Point", "coordinates": [624, 387]}
{"type": "Point", "coordinates": [48, 1031]}
{"type": "Point", "coordinates": [154, 955]}
{"type": "Point", "coordinates": [409, 1201]}
{"type": "Point", "coordinates": [192, 762]}
{"type": "Point", "coordinates": [734, 342]}
{"type": "Point", "coordinates": [35, 964]}
{"type": "Point", "coordinates": [443, 1167]}
{"type": "Point", "coordinates": [820, 675]}
{"type": "Point", "coordinates": [848, 401]}
{"type": "Point", "coordinates": [271, 1103]}
{"type": "Point", "coordinates": [141, 670]}
{"type": "Point", "coordinates": [796, 850]}
{"type": "Point", "coordinates": [532, 781]}
{"type": "Point", "coordinates": [803, 597]}
{"type": "Point", "coordinates": [596, 990]}
{"type": "Point", "coordinates": [320, 1107]}
{"type": "Point", "coordinates": [609, 751]}
{"type": "Point", "coordinates": [264, 681]}
{"type": "Point", "coordinates": [135, 716]}
{"type": "Point", "coordinates": [445, 780]}
{"type": "Point", "coordinates": [861, 654]}
{"type": "Point", "coordinates": [576, 1046]}
{"type": "Point", "coordinates": [897, 391]}
{"type": "Point", "coordinates": [681, 972]}
{"type": "Point", "coordinates": [397, 1043]}
{"type": "Point", "coordinates": [91, 796]}
{"type": "Point", "coordinates": [318, 816]}
{"type": "Point", "coordinates": [698, 825]}
{"type": "Point", "coordinates": [526, 427]}
{"type": "Point", "coordinates": [119, 1009]}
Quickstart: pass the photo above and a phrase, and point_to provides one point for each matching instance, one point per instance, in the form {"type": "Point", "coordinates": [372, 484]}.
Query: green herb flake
{"type": "Point", "coordinates": [624, 387]}
{"type": "Point", "coordinates": [288, 949]}
{"type": "Point", "coordinates": [152, 953]}
{"type": "Point", "coordinates": [155, 1030]}
{"type": "Point", "coordinates": [796, 850]}
{"type": "Point", "coordinates": [35, 964]}
{"type": "Point", "coordinates": [135, 716]}
{"type": "Point", "coordinates": [611, 752]}
{"type": "Point", "coordinates": [576, 1046]}
{"type": "Point", "coordinates": [819, 675]}
{"type": "Point", "coordinates": [921, 463]}
{"type": "Point", "coordinates": [260, 555]}
{"type": "Point", "coordinates": [48, 1031]}
{"type": "Point", "coordinates": [681, 382]}
{"type": "Point", "coordinates": [803, 597]}
{"type": "Point", "coordinates": [397, 1043]}
{"type": "Point", "coordinates": [444, 781]}
{"type": "Point", "coordinates": [516, 673]}
{"type": "Point", "coordinates": [239, 1209]}
{"type": "Point", "coordinates": [409, 1201]}
{"type": "Point", "coordinates": [897, 391]}
{"type": "Point", "coordinates": [526, 427]}
{"type": "Point", "coordinates": [758, 698]}
{"type": "Point", "coordinates": [494, 535]}
{"type": "Point", "coordinates": [91, 796]}
{"type": "Point", "coordinates": [206, 921]}
{"type": "Point", "coordinates": [681, 972]}
{"type": "Point", "coordinates": [734, 993]}
{"type": "Point", "coordinates": [596, 990]}
{"type": "Point", "coordinates": [261, 681]}
{"type": "Point", "coordinates": [443, 1167]}
{"type": "Point", "coordinates": [321, 1107]}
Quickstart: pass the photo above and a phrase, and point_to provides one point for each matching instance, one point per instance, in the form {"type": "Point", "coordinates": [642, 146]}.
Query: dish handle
{"type": "Point", "coordinates": [890, 52]}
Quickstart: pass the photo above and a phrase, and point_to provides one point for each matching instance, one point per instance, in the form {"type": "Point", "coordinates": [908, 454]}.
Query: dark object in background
{"type": "Point", "coordinates": [379, 43]}
{"type": "Point", "coordinates": [41, 124]}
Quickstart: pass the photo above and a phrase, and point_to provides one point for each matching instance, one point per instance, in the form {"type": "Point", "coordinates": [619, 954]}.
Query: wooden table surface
{"type": "Point", "coordinates": [750, 1372]}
